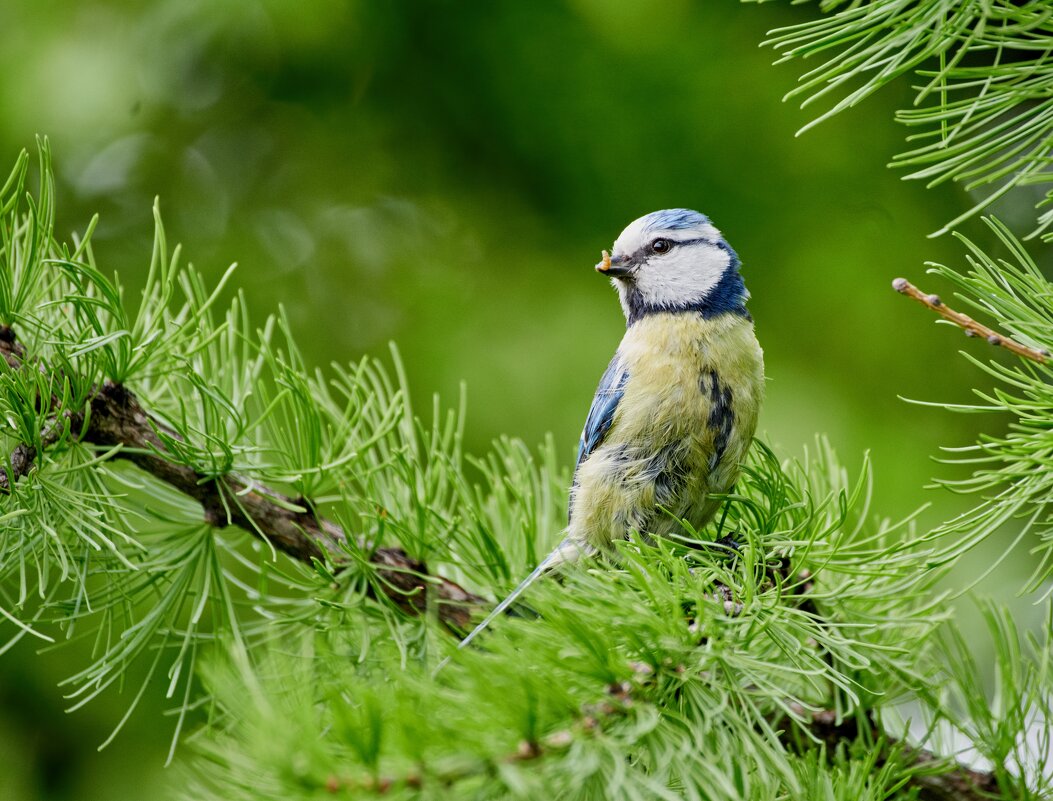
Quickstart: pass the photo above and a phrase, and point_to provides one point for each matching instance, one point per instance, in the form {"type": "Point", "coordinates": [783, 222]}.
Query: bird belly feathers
{"type": "Point", "coordinates": [680, 431]}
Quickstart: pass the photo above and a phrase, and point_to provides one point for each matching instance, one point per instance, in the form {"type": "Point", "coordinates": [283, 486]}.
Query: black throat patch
{"type": "Point", "coordinates": [727, 297]}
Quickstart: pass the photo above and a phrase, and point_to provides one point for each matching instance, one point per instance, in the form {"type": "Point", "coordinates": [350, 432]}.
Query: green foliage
{"type": "Point", "coordinates": [25, 238]}
{"type": "Point", "coordinates": [982, 102]}
{"type": "Point", "coordinates": [641, 680]}
{"type": "Point", "coordinates": [692, 667]}
{"type": "Point", "coordinates": [1009, 723]}
{"type": "Point", "coordinates": [92, 549]}
{"type": "Point", "coordinates": [703, 666]}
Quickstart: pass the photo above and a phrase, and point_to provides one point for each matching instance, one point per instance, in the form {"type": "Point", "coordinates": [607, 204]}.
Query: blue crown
{"type": "Point", "coordinates": [674, 220]}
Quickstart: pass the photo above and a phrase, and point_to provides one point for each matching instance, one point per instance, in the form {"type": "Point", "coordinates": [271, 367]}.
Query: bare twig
{"type": "Point", "coordinates": [968, 324]}
{"type": "Point", "coordinates": [117, 418]}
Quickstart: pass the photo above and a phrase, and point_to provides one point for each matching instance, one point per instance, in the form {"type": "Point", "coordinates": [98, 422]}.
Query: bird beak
{"type": "Point", "coordinates": [614, 268]}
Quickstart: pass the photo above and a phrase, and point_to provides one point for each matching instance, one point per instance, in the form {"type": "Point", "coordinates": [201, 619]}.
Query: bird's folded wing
{"type": "Point", "coordinates": [601, 413]}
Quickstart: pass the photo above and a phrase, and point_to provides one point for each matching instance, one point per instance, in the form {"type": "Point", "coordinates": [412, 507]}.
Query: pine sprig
{"type": "Point", "coordinates": [85, 547]}
{"type": "Point", "coordinates": [982, 106]}
{"type": "Point", "coordinates": [25, 239]}
{"type": "Point", "coordinates": [755, 652]}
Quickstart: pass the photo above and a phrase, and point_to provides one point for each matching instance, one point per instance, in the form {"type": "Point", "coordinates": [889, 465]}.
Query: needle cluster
{"type": "Point", "coordinates": [982, 73]}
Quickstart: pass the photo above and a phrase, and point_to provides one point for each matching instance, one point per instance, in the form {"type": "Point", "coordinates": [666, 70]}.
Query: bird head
{"type": "Point", "coordinates": [671, 261]}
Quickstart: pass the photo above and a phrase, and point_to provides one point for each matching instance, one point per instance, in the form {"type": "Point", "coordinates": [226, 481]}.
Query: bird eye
{"type": "Point", "coordinates": [661, 246]}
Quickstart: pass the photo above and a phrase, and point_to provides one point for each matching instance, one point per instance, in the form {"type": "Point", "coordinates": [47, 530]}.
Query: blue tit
{"type": "Point", "coordinates": [677, 407]}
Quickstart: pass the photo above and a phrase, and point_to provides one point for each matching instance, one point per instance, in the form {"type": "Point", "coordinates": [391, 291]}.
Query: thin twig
{"type": "Point", "coordinates": [968, 324]}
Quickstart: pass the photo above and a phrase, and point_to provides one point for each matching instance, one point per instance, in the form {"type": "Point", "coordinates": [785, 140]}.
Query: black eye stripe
{"type": "Point", "coordinates": [645, 252]}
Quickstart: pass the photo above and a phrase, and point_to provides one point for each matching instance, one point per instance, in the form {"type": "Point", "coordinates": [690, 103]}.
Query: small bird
{"type": "Point", "coordinates": [676, 409]}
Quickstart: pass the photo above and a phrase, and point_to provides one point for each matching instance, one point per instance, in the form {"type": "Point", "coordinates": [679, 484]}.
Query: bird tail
{"type": "Point", "coordinates": [566, 552]}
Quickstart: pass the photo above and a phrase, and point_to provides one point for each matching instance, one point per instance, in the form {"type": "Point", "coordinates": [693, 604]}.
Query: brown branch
{"type": "Point", "coordinates": [11, 347]}
{"type": "Point", "coordinates": [23, 455]}
{"type": "Point", "coordinates": [959, 783]}
{"type": "Point", "coordinates": [933, 783]}
{"type": "Point", "coordinates": [21, 460]}
{"type": "Point", "coordinates": [115, 418]}
{"type": "Point", "coordinates": [968, 324]}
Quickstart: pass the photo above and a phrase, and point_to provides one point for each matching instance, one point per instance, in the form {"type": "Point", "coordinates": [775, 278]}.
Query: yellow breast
{"type": "Point", "coordinates": [670, 356]}
{"type": "Point", "coordinates": [681, 430]}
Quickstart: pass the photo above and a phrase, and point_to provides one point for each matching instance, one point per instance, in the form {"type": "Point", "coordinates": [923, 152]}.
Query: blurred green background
{"type": "Point", "coordinates": [444, 175]}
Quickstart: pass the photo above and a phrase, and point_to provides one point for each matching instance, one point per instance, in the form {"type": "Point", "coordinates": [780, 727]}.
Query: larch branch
{"type": "Point", "coordinates": [117, 419]}
{"type": "Point", "coordinates": [959, 783]}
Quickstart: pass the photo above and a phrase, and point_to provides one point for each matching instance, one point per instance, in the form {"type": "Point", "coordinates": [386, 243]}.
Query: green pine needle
{"type": "Point", "coordinates": [982, 102]}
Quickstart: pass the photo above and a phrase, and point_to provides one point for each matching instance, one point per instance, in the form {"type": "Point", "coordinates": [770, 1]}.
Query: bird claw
{"type": "Point", "coordinates": [728, 541]}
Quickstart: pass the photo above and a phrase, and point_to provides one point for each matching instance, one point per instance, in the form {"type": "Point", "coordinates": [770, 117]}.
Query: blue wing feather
{"type": "Point", "coordinates": [601, 413]}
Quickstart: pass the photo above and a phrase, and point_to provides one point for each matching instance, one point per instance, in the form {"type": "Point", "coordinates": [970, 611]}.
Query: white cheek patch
{"type": "Point", "coordinates": [686, 275]}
